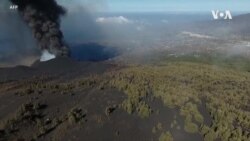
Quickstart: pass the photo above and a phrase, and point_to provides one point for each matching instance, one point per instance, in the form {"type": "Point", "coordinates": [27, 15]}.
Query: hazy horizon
{"type": "Point", "coordinates": [99, 21]}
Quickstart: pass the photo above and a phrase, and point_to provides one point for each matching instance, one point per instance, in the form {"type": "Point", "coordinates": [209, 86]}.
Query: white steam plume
{"type": "Point", "coordinates": [46, 56]}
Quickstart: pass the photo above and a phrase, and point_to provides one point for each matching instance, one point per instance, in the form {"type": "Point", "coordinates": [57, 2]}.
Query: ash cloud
{"type": "Point", "coordinates": [79, 24]}
{"type": "Point", "coordinates": [17, 47]}
{"type": "Point", "coordinates": [43, 17]}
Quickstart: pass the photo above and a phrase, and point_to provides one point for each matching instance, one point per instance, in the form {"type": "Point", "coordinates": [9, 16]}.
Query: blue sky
{"type": "Point", "coordinates": [163, 5]}
{"type": "Point", "coordinates": [178, 5]}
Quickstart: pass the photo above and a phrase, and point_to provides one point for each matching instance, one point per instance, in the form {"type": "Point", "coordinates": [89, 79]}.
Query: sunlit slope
{"type": "Point", "coordinates": [188, 87]}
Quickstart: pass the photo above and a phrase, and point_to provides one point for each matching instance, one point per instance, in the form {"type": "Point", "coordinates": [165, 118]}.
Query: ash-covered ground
{"type": "Point", "coordinates": [128, 77]}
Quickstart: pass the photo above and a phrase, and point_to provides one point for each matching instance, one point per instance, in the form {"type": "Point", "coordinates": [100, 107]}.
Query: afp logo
{"type": "Point", "coordinates": [226, 15]}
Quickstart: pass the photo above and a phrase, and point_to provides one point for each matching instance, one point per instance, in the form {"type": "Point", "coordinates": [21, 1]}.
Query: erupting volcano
{"type": "Point", "coordinates": [43, 17]}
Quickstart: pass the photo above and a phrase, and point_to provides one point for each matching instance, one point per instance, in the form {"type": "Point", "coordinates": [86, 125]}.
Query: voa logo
{"type": "Point", "coordinates": [226, 15]}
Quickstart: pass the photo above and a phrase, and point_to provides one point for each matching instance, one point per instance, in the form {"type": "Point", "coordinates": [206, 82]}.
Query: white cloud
{"type": "Point", "coordinates": [165, 21]}
{"type": "Point", "coordinates": [140, 28]}
{"type": "Point", "coordinates": [114, 20]}
{"type": "Point", "coordinates": [195, 35]}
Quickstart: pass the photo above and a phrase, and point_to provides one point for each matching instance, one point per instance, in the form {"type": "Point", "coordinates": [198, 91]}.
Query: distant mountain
{"type": "Point", "coordinates": [242, 18]}
{"type": "Point", "coordinates": [239, 26]}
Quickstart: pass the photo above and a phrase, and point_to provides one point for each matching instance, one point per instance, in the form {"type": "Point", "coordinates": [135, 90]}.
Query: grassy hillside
{"type": "Point", "coordinates": [209, 100]}
{"type": "Point", "coordinates": [186, 87]}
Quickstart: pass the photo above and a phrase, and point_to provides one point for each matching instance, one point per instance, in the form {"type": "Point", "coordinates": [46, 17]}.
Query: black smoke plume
{"type": "Point", "coordinates": [43, 17]}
